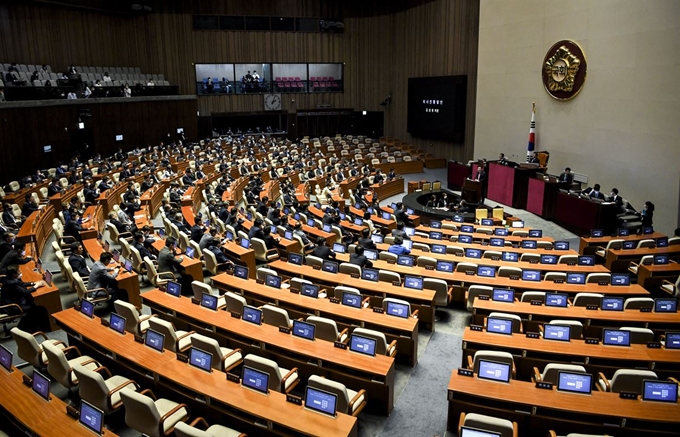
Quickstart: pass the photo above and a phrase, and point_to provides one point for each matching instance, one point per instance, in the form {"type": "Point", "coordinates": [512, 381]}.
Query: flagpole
{"type": "Point", "coordinates": [532, 132]}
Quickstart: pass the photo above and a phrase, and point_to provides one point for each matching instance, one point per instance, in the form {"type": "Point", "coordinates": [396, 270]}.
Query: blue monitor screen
{"type": "Point", "coordinates": [466, 431]}
{"type": "Point", "coordinates": [329, 266]}
{"type": "Point", "coordinates": [369, 274]}
{"type": "Point", "coordinates": [249, 216]}
{"type": "Point", "coordinates": [576, 278]}
{"type": "Point", "coordinates": [405, 260]}
{"type": "Point", "coordinates": [117, 323]}
{"type": "Point", "coordinates": [529, 244]}
{"type": "Point", "coordinates": [467, 239]}
{"type": "Point", "coordinates": [503, 295]}
{"type": "Point", "coordinates": [377, 238]}
{"type": "Point", "coordinates": [436, 224]}
{"type": "Point", "coordinates": [548, 259]}
{"type": "Point", "coordinates": [510, 256]}
{"type": "Point", "coordinates": [673, 340]}
{"type": "Point", "coordinates": [494, 371]}
{"type": "Point", "coordinates": [288, 235]}
{"type": "Point", "coordinates": [501, 232]}
{"type": "Point", "coordinates": [209, 301]}
{"type": "Point", "coordinates": [596, 233]}
{"type": "Point", "coordinates": [499, 325]}
{"type": "Point", "coordinates": [295, 258]}
{"type": "Point", "coordinates": [467, 228]}
{"type": "Point", "coordinates": [297, 216]}
{"type": "Point", "coordinates": [445, 266]}
{"type": "Point", "coordinates": [436, 235]}
{"type": "Point", "coordinates": [531, 275]}
{"type": "Point", "coordinates": [458, 218]}
{"type": "Point", "coordinates": [386, 216]}
{"type": "Point", "coordinates": [41, 385]}
{"type": "Point", "coordinates": [473, 253]}
{"type": "Point", "coordinates": [622, 279]}
{"type": "Point", "coordinates": [310, 223]}
{"type": "Point", "coordinates": [575, 382]}
{"type": "Point", "coordinates": [252, 315]}
{"type": "Point", "coordinates": [362, 345]}
{"type": "Point", "coordinates": [497, 242]}
{"type": "Point", "coordinates": [338, 247]}
{"type": "Point", "coordinates": [410, 211]}
{"type": "Point", "coordinates": [241, 272]}
{"type": "Point", "coordinates": [660, 259]}
{"type": "Point", "coordinates": [273, 281]}
{"type": "Point", "coordinates": [326, 228]}
{"type": "Point", "coordinates": [310, 290]}
{"type": "Point", "coordinates": [586, 260]}
{"type": "Point", "coordinates": [536, 233]}
{"type": "Point", "coordinates": [397, 309]}
{"type": "Point", "coordinates": [393, 206]}
{"type": "Point", "coordinates": [556, 332]}
{"type": "Point", "coordinates": [87, 308]}
{"type": "Point", "coordinates": [6, 358]}
{"type": "Point", "coordinates": [351, 299]}
{"type": "Point", "coordinates": [409, 231]}
{"type": "Point", "coordinates": [230, 236]}
{"type": "Point", "coordinates": [369, 210]}
{"type": "Point", "coordinates": [561, 245]}
{"type": "Point", "coordinates": [612, 304]}
{"type": "Point", "coordinates": [623, 232]}
{"type": "Point", "coordinates": [487, 222]}
{"type": "Point", "coordinates": [438, 248]}
{"type": "Point", "coordinates": [321, 401]}
{"type": "Point", "coordinates": [174, 288]}
{"type": "Point", "coordinates": [662, 242]}
{"type": "Point", "coordinates": [486, 271]}
{"type": "Point", "coordinates": [413, 282]}
{"type": "Point", "coordinates": [646, 230]}
{"type": "Point", "coordinates": [303, 329]}
{"type": "Point", "coordinates": [371, 254]}
{"type": "Point", "coordinates": [201, 359]}
{"type": "Point", "coordinates": [556, 300]}
{"type": "Point", "coordinates": [663, 305]}
{"type": "Point", "coordinates": [245, 243]}
{"type": "Point", "coordinates": [660, 391]}
{"type": "Point", "coordinates": [91, 417]}
{"type": "Point", "coordinates": [255, 379]}
{"type": "Point", "coordinates": [155, 340]}
{"type": "Point", "coordinates": [628, 245]}
{"type": "Point", "coordinates": [615, 337]}
{"type": "Point", "coordinates": [358, 221]}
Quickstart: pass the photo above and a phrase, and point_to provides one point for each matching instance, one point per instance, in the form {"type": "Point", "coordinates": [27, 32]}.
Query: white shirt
{"type": "Point", "coordinates": [72, 96]}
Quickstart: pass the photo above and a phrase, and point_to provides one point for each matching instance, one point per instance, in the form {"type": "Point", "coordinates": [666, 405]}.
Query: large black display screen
{"type": "Point", "coordinates": [436, 107]}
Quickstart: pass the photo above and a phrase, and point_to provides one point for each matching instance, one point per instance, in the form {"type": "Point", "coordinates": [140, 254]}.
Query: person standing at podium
{"type": "Point", "coordinates": [481, 177]}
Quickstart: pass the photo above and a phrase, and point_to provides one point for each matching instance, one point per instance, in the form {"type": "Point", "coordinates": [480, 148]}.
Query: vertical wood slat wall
{"type": "Point", "coordinates": [382, 46]}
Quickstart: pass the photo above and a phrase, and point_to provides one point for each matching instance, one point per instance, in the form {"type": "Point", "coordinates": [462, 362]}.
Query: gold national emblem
{"type": "Point", "coordinates": [564, 70]}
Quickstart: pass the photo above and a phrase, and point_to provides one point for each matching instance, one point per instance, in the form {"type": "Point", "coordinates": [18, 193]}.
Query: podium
{"type": "Point", "coordinates": [541, 196]}
{"type": "Point", "coordinates": [509, 185]}
{"type": "Point", "coordinates": [457, 174]}
{"type": "Point", "coordinates": [472, 191]}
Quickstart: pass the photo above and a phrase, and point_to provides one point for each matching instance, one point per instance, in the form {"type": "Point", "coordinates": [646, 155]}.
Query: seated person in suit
{"type": "Point", "coordinates": [141, 247]}
{"type": "Point", "coordinates": [16, 256]}
{"type": "Point", "coordinates": [391, 175]}
{"type": "Point", "coordinates": [197, 230]}
{"type": "Point", "coordinates": [397, 247]}
{"type": "Point", "coordinates": [256, 230]}
{"type": "Point", "coordinates": [77, 261]}
{"type": "Point", "coordinates": [365, 239]}
{"type": "Point", "coordinates": [7, 244]}
{"type": "Point", "coordinates": [614, 197]}
{"type": "Point", "coordinates": [269, 241]}
{"type": "Point", "coordinates": [73, 226]}
{"type": "Point", "coordinates": [29, 206]}
{"type": "Point", "coordinates": [15, 291]}
{"type": "Point", "coordinates": [322, 251]}
{"type": "Point", "coordinates": [214, 248]}
{"type": "Point", "coordinates": [432, 202]}
{"type": "Point", "coordinates": [566, 176]}
{"type": "Point", "coordinates": [168, 263]}
{"type": "Point", "coordinates": [594, 192]}
{"type": "Point", "coordinates": [262, 207]}
{"type": "Point", "coordinates": [534, 159]}
{"type": "Point", "coordinates": [463, 207]}
{"type": "Point", "coordinates": [297, 230]}
{"type": "Point", "coordinates": [205, 239]}
{"type": "Point", "coordinates": [101, 277]}
{"type": "Point", "coordinates": [358, 258]}
{"type": "Point", "coordinates": [8, 216]}
{"type": "Point", "coordinates": [54, 187]}
{"type": "Point", "coordinates": [399, 231]}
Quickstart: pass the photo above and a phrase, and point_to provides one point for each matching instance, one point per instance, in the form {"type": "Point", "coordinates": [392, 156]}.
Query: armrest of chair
{"type": "Point", "coordinates": [170, 414]}
{"type": "Point", "coordinates": [148, 392]}
{"type": "Point", "coordinates": [470, 362]}
{"type": "Point", "coordinates": [236, 364]}
{"type": "Point", "coordinates": [461, 420]}
{"type": "Point", "coordinates": [98, 289]}
{"type": "Point", "coordinates": [124, 235]}
{"type": "Point", "coordinates": [103, 369]}
{"type": "Point", "coordinates": [147, 317]}
{"type": "Point", "coordinates": [514, 429]}
{"type": "Point", "coordinates": [42, 334]}
{"type": "Point", "coordinates": [393, 346]}
{"type": "Point", "coordinates": [343, 332]}
{"type": "Point", "coordinates": [66, 350]}
{"type": "Point", "coordinates": [552, 433]}
{"type": "Point", "coordinates": [67, 237]}
{"type": "Point", "coordinates": [119, 388]}
{"type": "Point", "coordinates": [19, 312]}
{"type": "Point", "coordinates": [365, 302]}
{"type": "Point", "coordinates": [158, 276]}
{"type": "Point", "coordinates": [415, 314]}
{"type": "Point", "coordinates": [291, 372]}
{"type": "Point", "coordinates": [536, 376]}
{"type": "Point", "coordinates": [604, 379]}
{"type": "Point", "coordinates": [673, 379]}
{"type": "Point", "coordinates": [86, 362]}
{"type": "Point", "coordinates": [185, 335]}
{"type": "Point", "coordinates": [356, 397]}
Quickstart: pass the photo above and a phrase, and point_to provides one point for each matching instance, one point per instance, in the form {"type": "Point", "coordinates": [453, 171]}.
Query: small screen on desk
{"type": "Point", "coordinates": [511, 257]}
{"type": "Point", "coordinates": [397, 309]}
{"type": "Point", "coordinates": [155, 340]}
{"type": "Point", "coordinates": [311, 223]}
{"type": "Point", "coordinates": [435, 224]}
{"type": "Point", "coordinates": [230, 236]}
{"type": "Point", "coordinates": [438, 248]}
{"type": "Point", "coordinates": [615, 337]}
{"type": "Point", "coordinates": [201, 359]}
{"type": "Point", "coordinates": [503, 295]}
{"type": "Point", "coordinates": [252, 315]}
{"type": "Point", "coordinates": [500, 232]}
{"type": "Point", "coordinates": [405, 260]}
{"type": "Point", "coordinates": [407, 244]}
{"type": "Point", "coordinates": [499, 325]}
{"type": "Point", "coordinates": [255, 380]}
{"type": "Point", "coordinates": [531, 275]}
{"type": "Point", "coordinates": [273, 281]}
{"type": "Point", "coordinates": [665, 305]}
{"type": "Point", "coordinates": [623, 232]}
{"type": "Point", "coordinates": [409, 231]}
{"type": "Point", "coordinates": [303, 329]}
{"type": "Point", "coordinates": [6, 358]}
{"type": "Point", "coordinates": [249, 216]}
{"type": "Point", "coordinates": [494, 371]}
{"type": "Point", "coordinates": [116, 255]}
{"type": "Point", "coordinates": [161, 233]}
{"type": "Point", "coordinates": [91, 417]}
{"type": "Point", "coordinates": [660, 259]}
{"type": "Point", "coordinates": [574, 382]}
{"type": "Point", "coordinates": [41, 385]}
{"type": "Point", "coordinates": [536, 233]}
{"type": "Point", "coordinates": [410, 211]}
{"type": "Point", "coordinates": [576, 278]}
{"type": "Point", "coordinates": [329, 266]}
{"type": "Point", "coordinates": [660, 391]}
{"type": "Point", "coordinates": [473, 253]}
{"type": "Point", "coordinates": [413, 282]}
{"type": "Point", "coordinates": [458, 218]}
{"type": "Point", "coordinates": [486, 271]}
{"type": "Point", "coordinates": [321, 401]}
{"type": "Point", "coordinates": [128, 264]}
{"type": "Point", "coordinates": [487, 222]}
{"type": "Point", "coordinates": [561, 245]}
{"type": "Point", "coordinates": [662, 242]}
{"type": "Point", "coordinates": [620, 279]}
{"type": "Point", "coordinates": [556, 332]}
{"type": "Point", "coordinates": [369, 274]}
{"type": "Point", "coordinates": [288, 235]}
{"type": "Point", "coordinates": [310, 290]}
{"type": "Point", "coordinates": [596, 233]}
{"type": "Point", "coordinates": [467, 431]}
{"type": "Point", "coordinates": [117, 323]}
{"type": "Point", "coordinates": [529, 244]}
{"type": "Point", "coordinates": [556, 300]}
{"type": "Point", "coordinates": [174, 288]}
{"type": "Point", "coordinates": [467, 228]}
{"type": "Point", "coordinates": [673, 340]}
{"type": "Point", "coordinates": [209, 301]}
{"type": "Point", "coordinates": [339, 248]}
{"type": "Point", "coordinates": [274, 229]}
{"type": "Point", "coordinates": [444, 266]}
{"type": "Point", "coordinates": [646, 230]}
{"type": "Point", "coordinates": [497, 242]}
{"type": "Point", "coordinates": [48, 277]}
{"type": "Point", "coordinates": [362, 345]}
{"type": "Point", "coordinates": [377, 238]}
{"type": "Point", "coordinates": [107, 246]}
{"type": "Point", "coordinates": [386, 216]}
{"type": "Point", "coordinates": [612, 304]}
{"type": "Point", "coordinates": [371, 254]}
{"type": "Point", "coordinates": [296, 216]}
{"type": "Point", "coordinates": [548, 259]}
{"type": "Point", "coordinates": [586, 260]}
{"type": "Point", "coordinates": [327, 228]}
{"type": "Point", "coordinates": [467, 239]}
{"type": "Point", "coordinates": [241, 272]}
{"type": "Point", "coordinates": [87, 308]}
{"type": "Point", "coordinates": [629, 245]}
{"type": "Point", "coordinates": [358, 221]}
{"type": "Point", "coordinates": [518, 224]}
{"type": "Point", "coordinates": [393, 206]}
{"type": "Point", "coordinates": [351, 299]}
{"type": "Point", "coordinates": [295, 258]}
{"type": "Point", "coordinates": [436, 235]}
{"type": "Point", "coordinates": [245, 243]}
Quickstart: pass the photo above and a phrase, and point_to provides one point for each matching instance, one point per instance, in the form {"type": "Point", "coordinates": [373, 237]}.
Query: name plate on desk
{"type": "Point", "coordinates": [469, 272]}
{"type": "Point", "coordinates": [235, 315]}
{"type": "Point", "coordinates": [533, 261]}
{"type": "Point", "coordinates": [590, 340]}
{"type": "Point", "coordinates": [233, 378]}
{"type": "Point", "coordinates": [339, 345]}
{"type": "Point", "coordinates": [316, 267]}
{"type": "Point", "coordinates": [571, 263]}
{"type": "Point", "coordinates": [558, 281]}
{"type": "Point", "coordinates": [544, 385]}
{"type": "Point", "coordinates": [654, 345]}
{"type": "Point", "coordinates": [428, 267]}
{"type": "Point", "coordinates": [182, 357]}
{"type": "Point", "coordinates": [284, 259]}
{"type": "Point", "coordinates": [104, 322]}
{"type": "Point", "coordinates": [139, 339]}
{"type": "Point", "coordinates": [602, 283]}
{"type": "Point", "coordinates": [396, 283]}
{"type": "Point", "coordinates": [548, 248]}
{"type": "Point", "coordinates": [537, 303]}
{"type": "Point", "coordinates": [354, 275]}
{"type": "Point", "coordinates": [334, 300]}
{"type": "Point", "coordinates": [495, 258]}
{"type": "Point", "coordinates": [378, 310]}
{"type": "Point", "coordinates": [294, 290]}
{"type": "Point", "coordinates": [465, 372]}
{"type": "Point", "coordinates": [628, 395]}
{"type": "Point", "coordinates": [297, 400]}
{"type": "Point", "coordinates": [476, 328]}
{"type": "Point", "coordinates": [483, 297]}
{"type": "Point", "coordinates": [514, 278]}
{"type": "Point", "coordinates": [27, 380]}
{"type": "Point", "coordinates": [646, 310]}
{"type": "Point", "coordinates": [72, 412]}
{"type": "Point", "coordinates": [592, 307]}
{"type": "Point", "coordinates": [533, 335]}
{"type": "Point", "coordinates": [284, 329]}
{"type": "Point", "coordinates": [391, 261]}
{"type": "Point", "coordinates": [195, 301]}
{"type": "Point", "coordinates": [260, 281]}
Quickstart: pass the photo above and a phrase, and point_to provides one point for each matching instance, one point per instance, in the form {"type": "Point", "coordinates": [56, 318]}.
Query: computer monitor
{"type": "Point", "coordinates": [499, 325]}
{"type": "Point", "coordinates": [574, 382]}
{"type": "Point", "coordinates": [497, 242]}
{"type": "Point", "coordinates": [646, 230]}
{"type": "Point", "coordinates": [549, 259]}
{"type": "Point", "coordinates": [41, 385]}
{"type": "Point", "coordinates": [296, 216]}
{"type": "Point", "coordinates": [473, 253]}
{"type": "Point", "coordinates": [444, 266]}
{"type": "Point", "coordinates": [409, 231]}
{"type": "Point", "coordinates": [510, 257]}
{"type": "Point", "coordinates": [393, 206]}
{"type": "Point", "coordinates": [288, 235]}
{"type": "Point", "coordinates": [107, 246]}
{"type": "Point", "coordinates": [623, 232]}
{"type": "Point", "coordinates": [503, 295]}
{"type": "Point", "coordinates": [201, 359]}
{"type": "Point", "coordinates": [529, 244]}
{"type": "Point", "coordinates": [413, 282]}
{"type": "Point", "coordinates": [327, 228]}
{"type": "Point", "coordinates": [560, 300]}
{"type": "Point", "coordinates": [358, 221]}
{"type": "Point", "coordinates": [466, 431]}
{"type": "Point", "coordinates": [87, 308]}
{"type": "Point", "coordinates": [467, 228]}
{"type": "Point", "coordinates": [371, 254]}
{"type": "Point", "coordinates": [621, 279]}
{"type": "Point", "coordinates": [230, 236]}
{"type": "Point", "coordinates": [48, 277]}
{"type": "Point", "coordinates": [339, 248]}
{"type": "Point", "coordinates": [438, 248]}
{"type": "Point", "coordinates": [405, 260]}
{"type": "Point", "coordinates": [351, 299]}
{"type": "Point", "coordinates": [249, 216]}
{"type": "Point", "coordinates": [658, 260]}
{"type": "Point", "coordinates": [615, 337]}
{"type": "Point", "coordinates": [117, 323]}
{"type": "Point", "coordinates": [321, 401]}
{"type": "Point", "coordinates": [659, 391]}
{"type": "Point", "coordinates": [241, 272]}
{"type": "Point", "coordinates": [386, 215]}
{"type": "Point", "coordinates": [377, 238]}
{"type": "Point", "coordinates": [252, 314]}
{"type": "Point", "coordinates": [435, 235]}
{"type": "Point", "coordinates": [629, 245]}
{"type": "Point", "coordinates": [91, 417]}
{"type": "Point", "coordinates": [487, 222]}
{"type": "Point", "coordinates": [596, 233]}
{"type": "Point", "coordinates": [274, 230]}
{"type": "Point", "coordinates": [458, 218]}
{"type": "Point", "coordinates": [672, 340]}
{"type": "Point", "coordinates": [309, 290]}
{"type": "Point", "coordinates": [561, 245]}
{"type": "Point", "coordinates": [557, 332]}
{"type": "Point", "coordinates": [272, 281]}
{"type": "Point", "coordinates": [161, 233]}
{"type": "Point", "coordinates": [518, 224]}
{"type": "Point", "coordinates": [397, 309]}
{"type": "Point", "coordinates": [369, 274]}
{"type": "Point", "coordinates": [115, 255]}
{"type": "Point", "coordinates": [190, 252]}
{"type": "Point", "coordinates": [576, 278]}
{"type": "Point", "coordinates": [531, 275]}
{"type": "Point", "coordinates": [467, 239]}
{"type": "Point", "coordinates": [494, 371]}
{"type": "Point", "coordinates": [329, 266]}
{"type": "Point", "coordinates": [665, 305]}
{"type": "Point", "coordinates": [586, 260]}
{"type": "Point", "coordinates": [7, 357]}
{"type": "Point", "coordinates": [486, 271]}
{"type": "Point", "coordinates": [245, 243]}
{"type": "Point", "coordinates": [612, 304]}
{"type": "Point", "coordinates": [536, 233]}
{"type": "Point", "coordinates": [408, 244]}
{"type": "Point", "coordinates": [362, 345]}
{"type": "Point", "coordinates": [435, 224]}
{"type": "Point", "coordinates": [303, 329]}
{"type": "Point", "coordinates": [410, 211]}
{"type": "Point", "coordinates": [209, 301]}
{"type": "Point", "coordinates": [154, 339]}
{"type": "Point", "coordinates": [311, 223]}
{"type": "Point", "coordinates": [500, 232]}
{"type": "Point", "coordinates": [255, 380]}
{"type": "Point", "coordinates": [295, 258]}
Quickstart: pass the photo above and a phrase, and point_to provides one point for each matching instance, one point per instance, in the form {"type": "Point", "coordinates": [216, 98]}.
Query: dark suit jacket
{"type": "Point", "coordinates": [564, 177]}
{"type": "Point", "coordinates": [360, 260]}
{"type": "Point", "coordinates": [196, 233]}
{"type": "Point", "coordinates": [73, 229]}
{"type": "Point", "coordinates": [28, 208]}
{"type": "Point", "coordinates": [401, 216]}
{"type": "Point", "coordinates": [5, 248]}
{"type": "Point", "coordinates": [78, 264]}
{"type": "Point", "coordinates": [168, 263]}
{"type": "Point", "coordinates": [8, 218]}
{"type": "Point", "coordinates": [220, 257]}
{"type": "Point", "coordinates": [256, 232]}
{"type": "Point", "coordinates": [270, 242]}
{"type": "Point", "coordinates": [324, 252]}
{"type": "Point", "coordinates": [367, 243]}
{"type": "Point", "coordinates": [143, 251]}
{"type": "Point", "coordinates": [12, 259]}
{"type": "Point", "coordinates": [18, 292]}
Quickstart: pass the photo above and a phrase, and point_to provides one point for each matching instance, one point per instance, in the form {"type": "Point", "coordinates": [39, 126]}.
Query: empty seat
{"type": "Point", "coordinates": [506, 272]}
{"type": "Point", "coordinates": [327, 329]}
{"type": "Point", "coordinates": [627, 380]}
{"type": "Point", "coordinates": [593, 278]}
{"type": "Point", "coordinates": [349, 401]}
{"type": "Point", "coordinates": [503, 427]}
{"type": "Point", "coordinates": [134, 323]}
{"type": "Point", "coordinates": [635, 303]}
{"type": "Point", "coordinates": [280, 379]}
{"type": "Point", "coordinates": [276, 316]}
{"type": "Point", "coordinates": [516, 320]}
{"type": "Point", "coordinates": [175, 340]}
{"type": "Point", "coordinates": [104, 394]}
{"type": "Point", "coordinates": [223, 358]}
{"type": "Point", "coordinates": [555, 276]}
{"type": "Point", "coordinates": [585, 299]}
{"type": "Point", "coordinates": [476, 290]}
{"type": "Point", "coordinates": [502, 357]}
{"type": "Point", "coordinates": [639, 335]}
{"type": "Point", "coordinates": [382, 347]}
{"type": "Point", "coordinates": [61, 369]}
{"type": "Point", "coordinates": [30, 350]}
{"type": "Point", "coordinates": [528, 296]}
{"type": "Point", "coordinates": [550, 371]}
{"type": "Point", "coordinates": [151, 416]}
{"type": "Point", "coordinates": [183, 429]}
{"type": "Point", "coordinates": [612, 244]}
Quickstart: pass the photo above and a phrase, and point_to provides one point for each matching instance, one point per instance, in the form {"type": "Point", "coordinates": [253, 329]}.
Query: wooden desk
{"type": "Point", "coordinates": [537, 411]}
{"type": "Point", "coordinates": [589, 245]}
{"type": "Point", "coordinates": [530, 353]}
{"type": "Point", "coordinates": [37, 228]}
{"type": "Point", "coordinates": [111, 197]}
{"type": "Point", "coordinates": [516, 240]}
{"type": "Point", "coordinates": [19, 197]}
{"type": "Point", "coordinates": [404, 167]}
{"type": "Point", "coordinates": [193, 267]}
{"type": "Point", "coordinates": [580, 215]}
{"type": "Point", "coordinates": [389, 188]}
{"type": "Point", "coordinates": [153, 197]}
{"type": "Point", "coordinates": [617, 259]}
{"type": "Point", "coordinates": [421, 300]}
{"type": "Point", "coordinates": [650, 276]}
{"type": "Point", "coordinates": [593, 320]}
{"type": "Point", "coordinates": [375, 374]}
{"type": "Point", "coordinates": [47, 296]}
{"type": "Point", "coordinates": [36, 415]}
{"type": "Point", "coordinates": [405, 331]}
{"type": "Point", "coordinates": [60, 199]}
{"type": "Point", "coordinates": [227, 398]}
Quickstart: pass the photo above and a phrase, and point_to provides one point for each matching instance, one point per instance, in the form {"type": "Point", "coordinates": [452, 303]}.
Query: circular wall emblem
{"type": "Point", "coordinates": [564, 70]}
